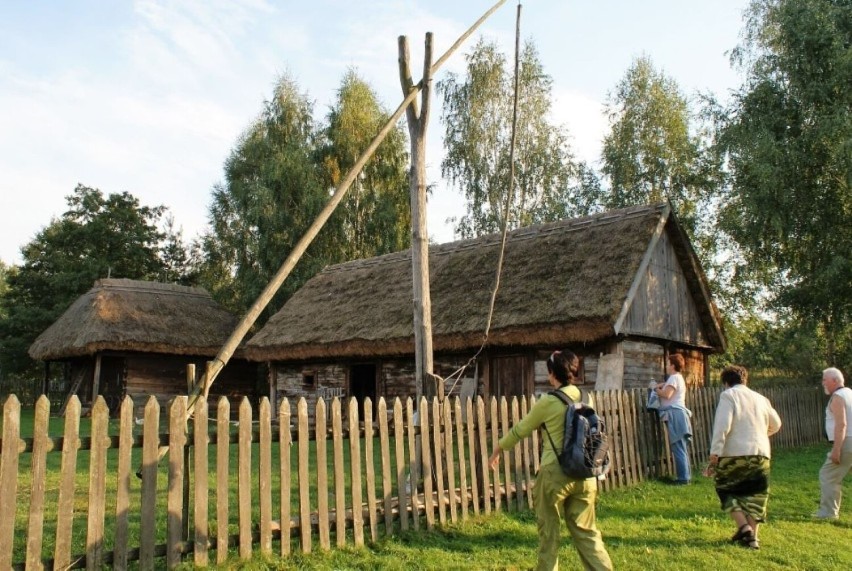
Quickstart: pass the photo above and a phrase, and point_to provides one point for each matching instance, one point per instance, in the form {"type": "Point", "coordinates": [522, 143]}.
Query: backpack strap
{"type": "Point", "coordinates": [568, 402]}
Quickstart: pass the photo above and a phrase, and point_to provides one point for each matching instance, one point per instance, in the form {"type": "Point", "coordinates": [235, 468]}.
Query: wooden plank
{"type": "Point", "coordinates": [223, 432]}
{"type": "Point", "coordinates": [438, 472]}
{"type": "Point", "coordinates": [387, 489]}
{"type": "Point", "coordinates": [322, 476]}
{"type": "Point", "coordinates": [465, 496]}
{"type": "Point", "coordinates": [150, 458]}
{"type": "Point", "coordinates": [414, 453]}
{"type": "Point", "coordinates": [370, 469]}
{"type": "Point", "coordinates": [527, 457]}
{"type": "Point", "coordinates": [339, 479]}
{"type": "Point", "coordinates": [304, 476]}
{"type": "Point", "coordinates": [449, 460]}
{"type": "Point", "coordinates": [516, 453]}
{"type": "Point", "coordinates": [285, 441]}
{"type": "Point", "coordinates": [96, 379]}
{"type": "Point", "coordinates": [536, 458]}
{"type": "Point", "coordinates": [484, 451]}
{"type": "Point", "coordinates": [122, 484]}
{"type": "Point", "coordinates": [244, 469]}
{"type": "Point", "coordinates": [507, 455]}
{"type": "Point", "coordinates": [426, 464]}
{"type": "Point", "coordinates": [68, 473]}
{"type": "Point", "coordinates": [402, 481]}
{"type": "Point", "coordinates": [201, 440]}
{"type": "Point", "coordinates": [9, 459]}
{"type": "Point", "coordinates": [470, 422]}
{"type": "Point", "coordinates": [265, 473]}
{"type": "Point", "coordinates": [177, 443]}
{"type": "Point", "coordinates": [355, 474]}
{"type": "Point", "coordinates": [35, 526]}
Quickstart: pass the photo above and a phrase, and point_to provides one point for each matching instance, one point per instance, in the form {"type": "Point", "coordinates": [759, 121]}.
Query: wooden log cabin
{"type": "Point", "coordinates": [129, 337]}
{"type": "Point", "coordinates": [622, 289]}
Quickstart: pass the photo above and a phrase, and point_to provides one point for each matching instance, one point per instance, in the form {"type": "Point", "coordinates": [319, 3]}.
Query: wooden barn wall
{"type": "Point", "coordinates": [645, 360]}
{"type": "Point", "coordinates": [663, 306]}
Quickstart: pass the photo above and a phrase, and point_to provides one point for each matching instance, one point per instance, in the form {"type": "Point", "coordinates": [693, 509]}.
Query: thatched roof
{"type": "Point", "coordinates": [562, 282]}
{"type": "Point", "coordinates": [130, 315]}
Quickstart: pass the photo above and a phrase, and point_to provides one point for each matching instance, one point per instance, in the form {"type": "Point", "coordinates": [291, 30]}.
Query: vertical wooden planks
{"type": "Point", "coordinates": [65, 511]}
{"type": "Point", "coordinates": [265, 475]}
{"type": "Point", "coordinates": [465, 497]}
{"type": "Point", "coordinates": [150, 458]}
{"type": "Point", "coordinates": [470, 422]}
{"type": "Point", "coordinates": [449, 459]}
{"type": "Point", "coordinates": [426, 464]}
{"type": "Point", "coordinates": [438, 471]}
{"type": "Point", "coordinates": [285, 441]}
{"type": "Point", "coordinates": [321, 432]}
{"type": "Point", "coordinates": [177, 444]}
{"type": "Point", "coordinates": [355, 473]}
{"type": "Point", "coordinates": [370, 468]}
{"type": "Point", "coordinates": [9, 460]}
{"type": "Point", "coordinates": [516, 452]}
{"type": "Point", "coordinates": [122, 492]}
{"type": "Point", "coordinates": [35, 527]}
{"type": "Point", "coordinates": [384, 445]}
{"type": "Point", "coordinates": [527, 457]}
{"type": "Point", "coordinates": [244, 469]}
{"type": "Point", "coordinates": [414, 458]}
{"type": "Point", "coordinates": [339, 480]}
{"type": "Point", "coordinates": [201, 461]}
{"type": "Point", "coordinates": [223, 433]}
{"type": "Point", "coordinates": [507, 456]}
{"type": "Point", "coordinates": [401, 480]}
{"type": "Point", "coordinates": [304, 478]}
{"type": "Point", "coordinates": [483, 453]}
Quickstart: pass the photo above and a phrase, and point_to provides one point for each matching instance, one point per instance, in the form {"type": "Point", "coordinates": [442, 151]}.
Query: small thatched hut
{"type": "Point", "coordinates": [622, 289]}
{"type": "Point", "coordinates": [128, 337]}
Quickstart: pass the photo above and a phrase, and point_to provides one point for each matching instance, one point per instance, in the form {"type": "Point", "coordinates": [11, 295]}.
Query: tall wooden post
{"type": "Point", "coordinates": [426, 383]}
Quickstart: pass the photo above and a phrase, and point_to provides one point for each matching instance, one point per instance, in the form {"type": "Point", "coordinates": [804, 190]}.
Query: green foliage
{"type": "Point", "coordinates": [477, 119]}
{"type": "Point", "coordinates": [98, 237]}
{"type": "Point", "coordinates": [278, 179]}
{"type": "Point", "coordinates": [788, 140]}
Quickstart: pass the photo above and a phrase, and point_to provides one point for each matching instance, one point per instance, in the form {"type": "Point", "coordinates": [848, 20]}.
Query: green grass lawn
{"type": "Point", "coordinates": [652, 526]}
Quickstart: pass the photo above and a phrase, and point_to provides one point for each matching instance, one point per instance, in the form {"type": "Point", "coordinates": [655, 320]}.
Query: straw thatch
{"type": "Point", "coordinates": [563, 282]}
{"type": "Point", "coordinates": [130, 315]}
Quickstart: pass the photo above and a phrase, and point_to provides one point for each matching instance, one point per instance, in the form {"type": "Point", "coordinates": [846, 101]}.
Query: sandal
{"type": "Point", "coordinates": [750, 540]}
{"type": "Point", "coordinates": [744, 530]}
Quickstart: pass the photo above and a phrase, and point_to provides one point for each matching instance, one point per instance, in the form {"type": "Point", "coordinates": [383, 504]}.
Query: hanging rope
{"type": "Point", "coordinates": [506, 209]}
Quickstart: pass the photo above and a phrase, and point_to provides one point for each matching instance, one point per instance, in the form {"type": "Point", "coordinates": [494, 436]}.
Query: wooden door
{"type": "Point", "coordinates": [511, 375]}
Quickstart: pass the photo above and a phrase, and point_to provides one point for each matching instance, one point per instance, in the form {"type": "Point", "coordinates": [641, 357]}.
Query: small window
{"type": "Point", "coordinates": [309, 379]}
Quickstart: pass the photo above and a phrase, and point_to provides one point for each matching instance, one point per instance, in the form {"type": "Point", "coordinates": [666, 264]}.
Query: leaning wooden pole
{"type": "Point", "coordinates": [227, 350]}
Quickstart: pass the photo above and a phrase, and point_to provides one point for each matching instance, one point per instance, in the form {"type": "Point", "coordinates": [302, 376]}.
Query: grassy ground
{"type": "Point", "coordinates": [649, 527]}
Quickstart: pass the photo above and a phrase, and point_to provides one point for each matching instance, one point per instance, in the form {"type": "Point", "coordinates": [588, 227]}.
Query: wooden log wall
{"type": "Point", "coordinates": [291, 479]}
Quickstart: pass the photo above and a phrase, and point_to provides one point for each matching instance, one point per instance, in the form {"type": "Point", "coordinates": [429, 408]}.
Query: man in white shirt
{"type": "Point", "coordinates": [838, 428]}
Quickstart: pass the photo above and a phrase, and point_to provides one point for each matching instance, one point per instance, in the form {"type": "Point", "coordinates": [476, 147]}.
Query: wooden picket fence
{"type": "Point", "coordinates": [327, 480]}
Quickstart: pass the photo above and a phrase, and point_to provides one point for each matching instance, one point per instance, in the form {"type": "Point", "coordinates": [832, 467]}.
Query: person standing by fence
{"type": "Point", "coordinates": [674, 413]}
{"type": "Point", "coordinates": [556, 495]}
{"type": "Point", "coordinates": [740, 453]}
{"type": "Point", "coordinates": [838, 428]}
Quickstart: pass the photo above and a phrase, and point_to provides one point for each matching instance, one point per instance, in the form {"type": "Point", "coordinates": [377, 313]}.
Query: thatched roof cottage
{"type": "Point", "coordinates": [622, 289]}
{"type": "Point", "coordinates": [129, 337]}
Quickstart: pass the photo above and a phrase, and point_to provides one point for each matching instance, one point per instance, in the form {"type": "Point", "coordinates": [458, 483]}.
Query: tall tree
{"type": "Point", "coordinates": [788, 139]}
{"type": "Point", "coordinates": [651, 152]}
{"type": "Point", "coordinates": [99, 236]}
{"type": "Point", "coordinates": [375, 217]}
{"type": "Point", "coordinates": [477, 119]}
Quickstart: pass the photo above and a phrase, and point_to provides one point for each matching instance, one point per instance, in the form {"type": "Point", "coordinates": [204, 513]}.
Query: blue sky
{"type": "Point", "coordinates": [150, 96]}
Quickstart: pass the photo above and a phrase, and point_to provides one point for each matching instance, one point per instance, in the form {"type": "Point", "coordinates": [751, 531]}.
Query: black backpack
{"type": "Point", "coordinates": [585, 446]}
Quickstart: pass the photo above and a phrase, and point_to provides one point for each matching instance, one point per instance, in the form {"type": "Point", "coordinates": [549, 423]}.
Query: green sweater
{"type": "Point", "coordinates": [549, 411]}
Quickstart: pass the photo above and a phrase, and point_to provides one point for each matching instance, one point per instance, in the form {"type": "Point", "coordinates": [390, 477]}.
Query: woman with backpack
{"type": "Point", "coordinates": [555, 495]}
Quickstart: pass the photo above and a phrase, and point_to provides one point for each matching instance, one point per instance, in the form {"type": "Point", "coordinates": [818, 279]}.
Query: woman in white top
{"type": "Point", "coordinates": [740, 453]}
{"type": "Point", "coordinates": [673, 411]}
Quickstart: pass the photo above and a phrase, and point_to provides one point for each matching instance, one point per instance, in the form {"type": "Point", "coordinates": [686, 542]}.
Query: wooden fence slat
{"type": "Point", "coordinates": [223, 433]}
{"type": "Point", "coordinates": [322, 477]}
{"type": "Point", "coordinates": [384, 445]}
{"type": "Point", "coordinates": [449, 459]}
{"type": "Point", "coordinates": [265, 475]}
{"type": "Point", "coordinates": [9, 461]}
{"type": "Point", "coordinates": [470, 422]}
{"type": "Point", "coordinates": [122, 483]}
{"type": "Point", "coordinates": [507, 455]}
{"type": "Point", "coordinates": [465, 498]}
{"type": "Point", "coordinates": [517, 453]}
{"type": "Point", "coordinates": [244, 470]}
{"type": "Point", "coordinates": [285, 440]}
{"type": "Point", "coordinates": [370, 467]}
{"type": "Point", "coordinates": [68, 473]}
{"type": "Point", "coordinates": [436, 444]}
{"type": "Point", "coordinates": [484, 452]}
{"type": "Point", "coordinates": [304, 476]}
{"type": "Point", "coordinates": [201, 510]}
{"type": "Point", "coordinates": [495, 427]}
{"type": "Point", "coordinates": [401, 481]}
{"type": "Point", "coordinates": [527, 442]}
{"type": "Point", "coordinates": [177, 443]}
{"type": "Point", "coordinates": [426, 465]}
{"type": "Point", "coordinates": [536, 448]}
{"type": "Point", "coordinates": [35, 527]}
{"type": "Point", "coordinates": [414, 452]}
{"type": "Point", "coordinates": [339, 481]}
{"type": "Point", "coordinates": [355, 474]}
{"type": "Point", "coordinates": [150, 459]}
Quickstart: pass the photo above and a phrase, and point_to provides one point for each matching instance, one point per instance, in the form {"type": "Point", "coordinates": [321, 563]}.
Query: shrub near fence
{"type": "Point", "coordinates": [290, 489]}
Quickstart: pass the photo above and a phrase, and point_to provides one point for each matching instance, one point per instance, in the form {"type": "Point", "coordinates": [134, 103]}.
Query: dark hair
{"type": "Point", "coordinates": [676, 360]}
{"type": "Point", "coordinates": [564, 365]}
{"type": "Point", "coordinates": [734, 375]}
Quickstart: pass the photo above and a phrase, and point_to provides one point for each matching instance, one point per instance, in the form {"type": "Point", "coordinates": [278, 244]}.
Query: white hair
{"type": "Point", "coordinates": [833, 373]}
